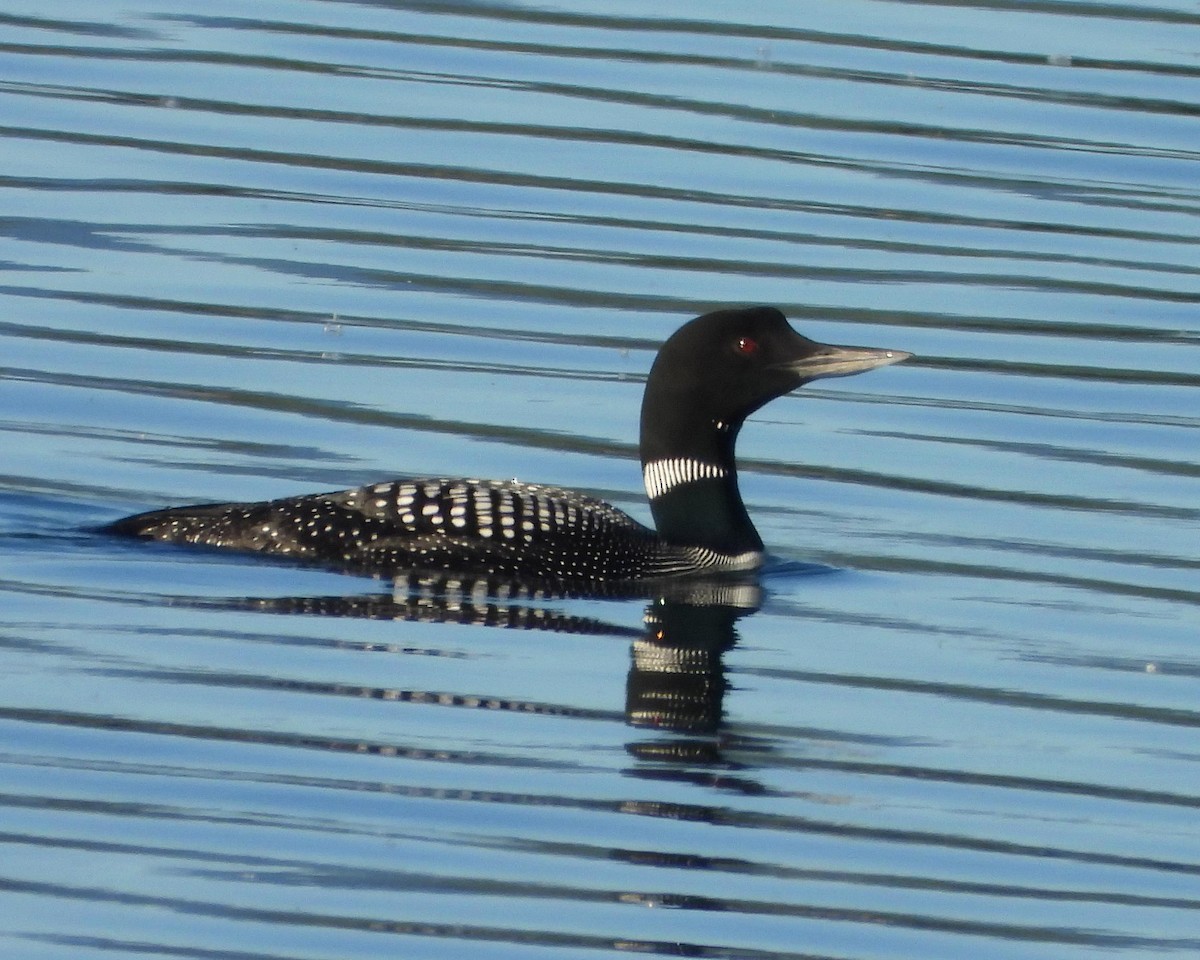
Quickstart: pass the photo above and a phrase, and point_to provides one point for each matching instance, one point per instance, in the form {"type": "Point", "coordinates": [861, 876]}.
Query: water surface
{"type": "Point", "coordinates": [250, 252]}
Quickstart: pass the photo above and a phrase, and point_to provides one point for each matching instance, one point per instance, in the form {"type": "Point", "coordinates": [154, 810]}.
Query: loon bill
{"type": "Point", "coordinates": [708, 377]}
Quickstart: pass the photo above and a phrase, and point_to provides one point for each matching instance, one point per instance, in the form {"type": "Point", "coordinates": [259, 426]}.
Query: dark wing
{"type": "Point", "coordinates": [466, 525]}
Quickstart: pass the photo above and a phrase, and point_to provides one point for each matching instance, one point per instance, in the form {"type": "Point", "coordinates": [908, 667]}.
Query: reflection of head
{"type": "Point", "coordinates": [677, 675]}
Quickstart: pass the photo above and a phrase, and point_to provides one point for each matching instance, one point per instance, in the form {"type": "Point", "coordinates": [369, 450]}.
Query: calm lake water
{"type": "Point", "coordinates": [251, 250]}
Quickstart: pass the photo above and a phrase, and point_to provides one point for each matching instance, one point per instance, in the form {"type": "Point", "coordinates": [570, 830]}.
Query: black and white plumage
{"type": "Point", "coordinates": [707, 378]}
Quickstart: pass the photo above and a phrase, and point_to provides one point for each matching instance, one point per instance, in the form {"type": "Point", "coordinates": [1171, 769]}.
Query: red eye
{"type": "Point", "coordinates": [746, 346]}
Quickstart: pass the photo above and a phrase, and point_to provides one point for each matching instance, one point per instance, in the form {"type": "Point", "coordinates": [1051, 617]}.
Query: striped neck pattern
{"type": "Point", "coordinates": [662, 476]}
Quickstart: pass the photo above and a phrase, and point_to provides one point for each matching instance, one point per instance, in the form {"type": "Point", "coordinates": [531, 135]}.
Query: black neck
{"type": "Point", "coordinates": [704, 512]}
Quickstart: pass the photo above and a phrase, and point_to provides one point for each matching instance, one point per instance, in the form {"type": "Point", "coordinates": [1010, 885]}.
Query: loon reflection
{"type": "Point", "coordinates": [676, 679]}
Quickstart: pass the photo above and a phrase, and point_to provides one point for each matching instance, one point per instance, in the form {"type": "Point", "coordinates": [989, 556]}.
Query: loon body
{"type": "Point", "coordinates": [708, 377]}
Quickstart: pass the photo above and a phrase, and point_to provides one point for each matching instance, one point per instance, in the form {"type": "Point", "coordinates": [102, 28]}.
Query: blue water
{"type": "Point", "coordinates": [249, 252]}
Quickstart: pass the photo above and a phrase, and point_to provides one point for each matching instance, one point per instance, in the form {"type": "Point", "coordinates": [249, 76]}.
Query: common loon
{"type": "Point", "coordinates": [708, 377]}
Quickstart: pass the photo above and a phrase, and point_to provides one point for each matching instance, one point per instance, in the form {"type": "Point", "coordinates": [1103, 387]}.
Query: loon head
{"type": "Point", "coordinates": [708, 377]}
{"type": "Point", "coordinates": [716, 370]}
